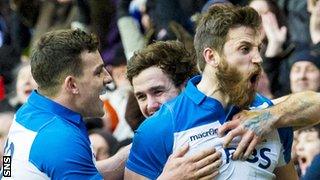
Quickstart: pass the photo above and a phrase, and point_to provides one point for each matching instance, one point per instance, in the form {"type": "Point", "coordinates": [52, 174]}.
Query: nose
{"type": "Point", "coordinates": [257, 58]}
{"type": "Point", "coordinates": [107, 77]}
{"type": "Point", "coordinates": [302, 74]}
{"type": "Point", "coordinates": [299, 147]}
{"type": "Point", "coordinates": [152, 105]}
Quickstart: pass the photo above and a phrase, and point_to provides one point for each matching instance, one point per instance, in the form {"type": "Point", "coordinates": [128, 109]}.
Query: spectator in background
{"type": "Point", "coordinates": [276, 46]}
{"type": "Point", "coordinates": [104, 144]}
{"type": "Point", "coordinates": [314, 9]}
{"type": "Point", "coordinates": [118, 98]}
{"type": "Point", "coordinates": [93, 123]}
{"type": "Point", "coordinates": [163, 12]}
{"type": "Point", "coordinates": [25, 84]}
{"type": "Point", "coordinates": [169, 25]}
{"type": "Point", "coordinates": [305, 71]}
{"type": "Point", "coordinates": [308, 151]}
{"type": "Point", "coordinates": [103, 21]}
{"type": "Point", "coordinates": [304, 76]}
{"type": "Point", "coordinates": [298, 21]}
{"type": "Point", "coordinates": [9, 60]}
{"type": "Point", "coordinates": [53, 15]}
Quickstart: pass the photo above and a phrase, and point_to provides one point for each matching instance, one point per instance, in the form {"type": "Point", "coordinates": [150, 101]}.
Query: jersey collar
{"type": "Point", "coordinates": [46, 104]}
{"type": "Point", "coordinates": [208, 102]}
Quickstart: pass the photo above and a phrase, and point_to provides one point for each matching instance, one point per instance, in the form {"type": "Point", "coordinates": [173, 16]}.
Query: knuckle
{"type": "Point", "coordinates": [193, 167]}
{"type": "Point", "coordinates": [219, 153]}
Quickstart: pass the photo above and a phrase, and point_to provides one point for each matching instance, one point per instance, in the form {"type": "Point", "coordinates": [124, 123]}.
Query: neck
{"type": "Point", "coordinates": [61, 99]}
{"type": "Point", "coordinates": [209, 86]}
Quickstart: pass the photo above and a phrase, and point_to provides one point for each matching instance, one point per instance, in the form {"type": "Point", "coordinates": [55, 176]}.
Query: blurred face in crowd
{"type": "Point", "coordinates": [25, 84]}
{"type": "Point", "coordinates": [308, 147]}
{"type": "Point", "coordinates": [91, 84]}
{"type": "Point", "coordinates": [152, 87]}
{"type": "Point", "coordinates": [240, 67]}
{"type": "Point", "coordinates": [100, 146]}
{"type": "Point", "coordinates": [304, 75]}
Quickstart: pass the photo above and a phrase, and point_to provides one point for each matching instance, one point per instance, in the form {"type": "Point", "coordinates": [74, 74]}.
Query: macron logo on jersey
{"type": "Point", "coordinates": [210, 132]}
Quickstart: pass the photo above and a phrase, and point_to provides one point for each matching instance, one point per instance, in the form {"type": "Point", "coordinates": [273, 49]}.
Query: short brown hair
{"type": "Point", "coordinates": [214, 26]}
{"type": "Point", "coordinates": [170, 56]}
{"type": "Point", "coordinates": [57, 54]}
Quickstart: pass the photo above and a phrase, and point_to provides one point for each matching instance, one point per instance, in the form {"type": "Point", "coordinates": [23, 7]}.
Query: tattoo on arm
{"type": "Point", "coordinates": [296, 112]}
{"type": "Point", "coordinates": [260, 124]}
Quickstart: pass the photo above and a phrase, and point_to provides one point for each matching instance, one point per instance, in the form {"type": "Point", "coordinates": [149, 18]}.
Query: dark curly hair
{"type": "Point", "coordinates": [170, 56]}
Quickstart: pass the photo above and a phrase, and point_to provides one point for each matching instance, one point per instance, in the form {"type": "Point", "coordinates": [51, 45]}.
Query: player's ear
{"type": "Point", "coordinates": [211, 57]}
{"type": "Point", "coordinates": [70, 85]}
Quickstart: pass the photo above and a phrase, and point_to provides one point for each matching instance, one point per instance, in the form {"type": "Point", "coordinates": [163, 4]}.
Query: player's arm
{"type": "Point", "coordinates": [298, 110]}
{"type": "Point", "coordinates": [128, 174]}
{"type": "Point", "coordinates": [113, 167]}
{"type": "Point", "coordinates": [286, 172]}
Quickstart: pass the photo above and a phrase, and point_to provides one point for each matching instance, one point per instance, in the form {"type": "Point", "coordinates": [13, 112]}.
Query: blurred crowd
{"type": "Point", "coordinates": [290, 50]}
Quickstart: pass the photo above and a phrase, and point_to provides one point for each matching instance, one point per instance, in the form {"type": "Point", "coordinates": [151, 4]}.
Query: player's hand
{"type": "Point", "coordinates": [251, 126]}
{"type": "Point", "coordinates": [203, 165]}
{"type": "Point", "coordinates": [276, 35]}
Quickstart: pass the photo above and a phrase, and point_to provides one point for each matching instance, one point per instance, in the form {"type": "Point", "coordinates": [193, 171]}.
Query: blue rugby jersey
{"type": "Point", "coordinates": [49, 141]}
{"type": "Point", "coordinates": [194, 118]}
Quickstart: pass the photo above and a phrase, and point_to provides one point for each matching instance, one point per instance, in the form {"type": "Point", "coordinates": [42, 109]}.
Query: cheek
{"type": "Point", "coordinates": [309, 146]}
{"type": "Point", "coordinates": [293, 77]}
{"type": "Point", "coordinates": [143, 107]}
{"type": "Point", "coordinates": [242, 67]}
{"type": "Point", "coordinates": [314, 77]}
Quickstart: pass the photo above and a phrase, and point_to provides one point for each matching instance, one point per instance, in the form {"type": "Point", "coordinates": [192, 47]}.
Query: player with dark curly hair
{"type": "Point", "coordinates": [158, 73]}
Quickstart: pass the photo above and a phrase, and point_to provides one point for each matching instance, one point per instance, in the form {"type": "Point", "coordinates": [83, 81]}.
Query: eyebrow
{"type": "Point", "coordinates": [156, 87]}
{"type": "Point", "coordinates": [248, 43]}
{"type": "Point", "coordinates": [138, 93]}
{"type": "Point", "coordinates": [153, 88]}
{"type": "Point", "coordinates": [97, 69]}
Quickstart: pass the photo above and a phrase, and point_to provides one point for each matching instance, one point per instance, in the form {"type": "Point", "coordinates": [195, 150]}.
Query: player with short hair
{"type": "Point", "coordinates": [227, 46]}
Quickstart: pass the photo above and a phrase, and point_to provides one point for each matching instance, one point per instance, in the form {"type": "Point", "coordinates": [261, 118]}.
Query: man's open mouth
{"type": "Point", "coordinates": [254, 77]}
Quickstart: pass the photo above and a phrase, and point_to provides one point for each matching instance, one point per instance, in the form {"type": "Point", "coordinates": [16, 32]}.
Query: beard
{"type": "Point", "coordinates": [240, 89]}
